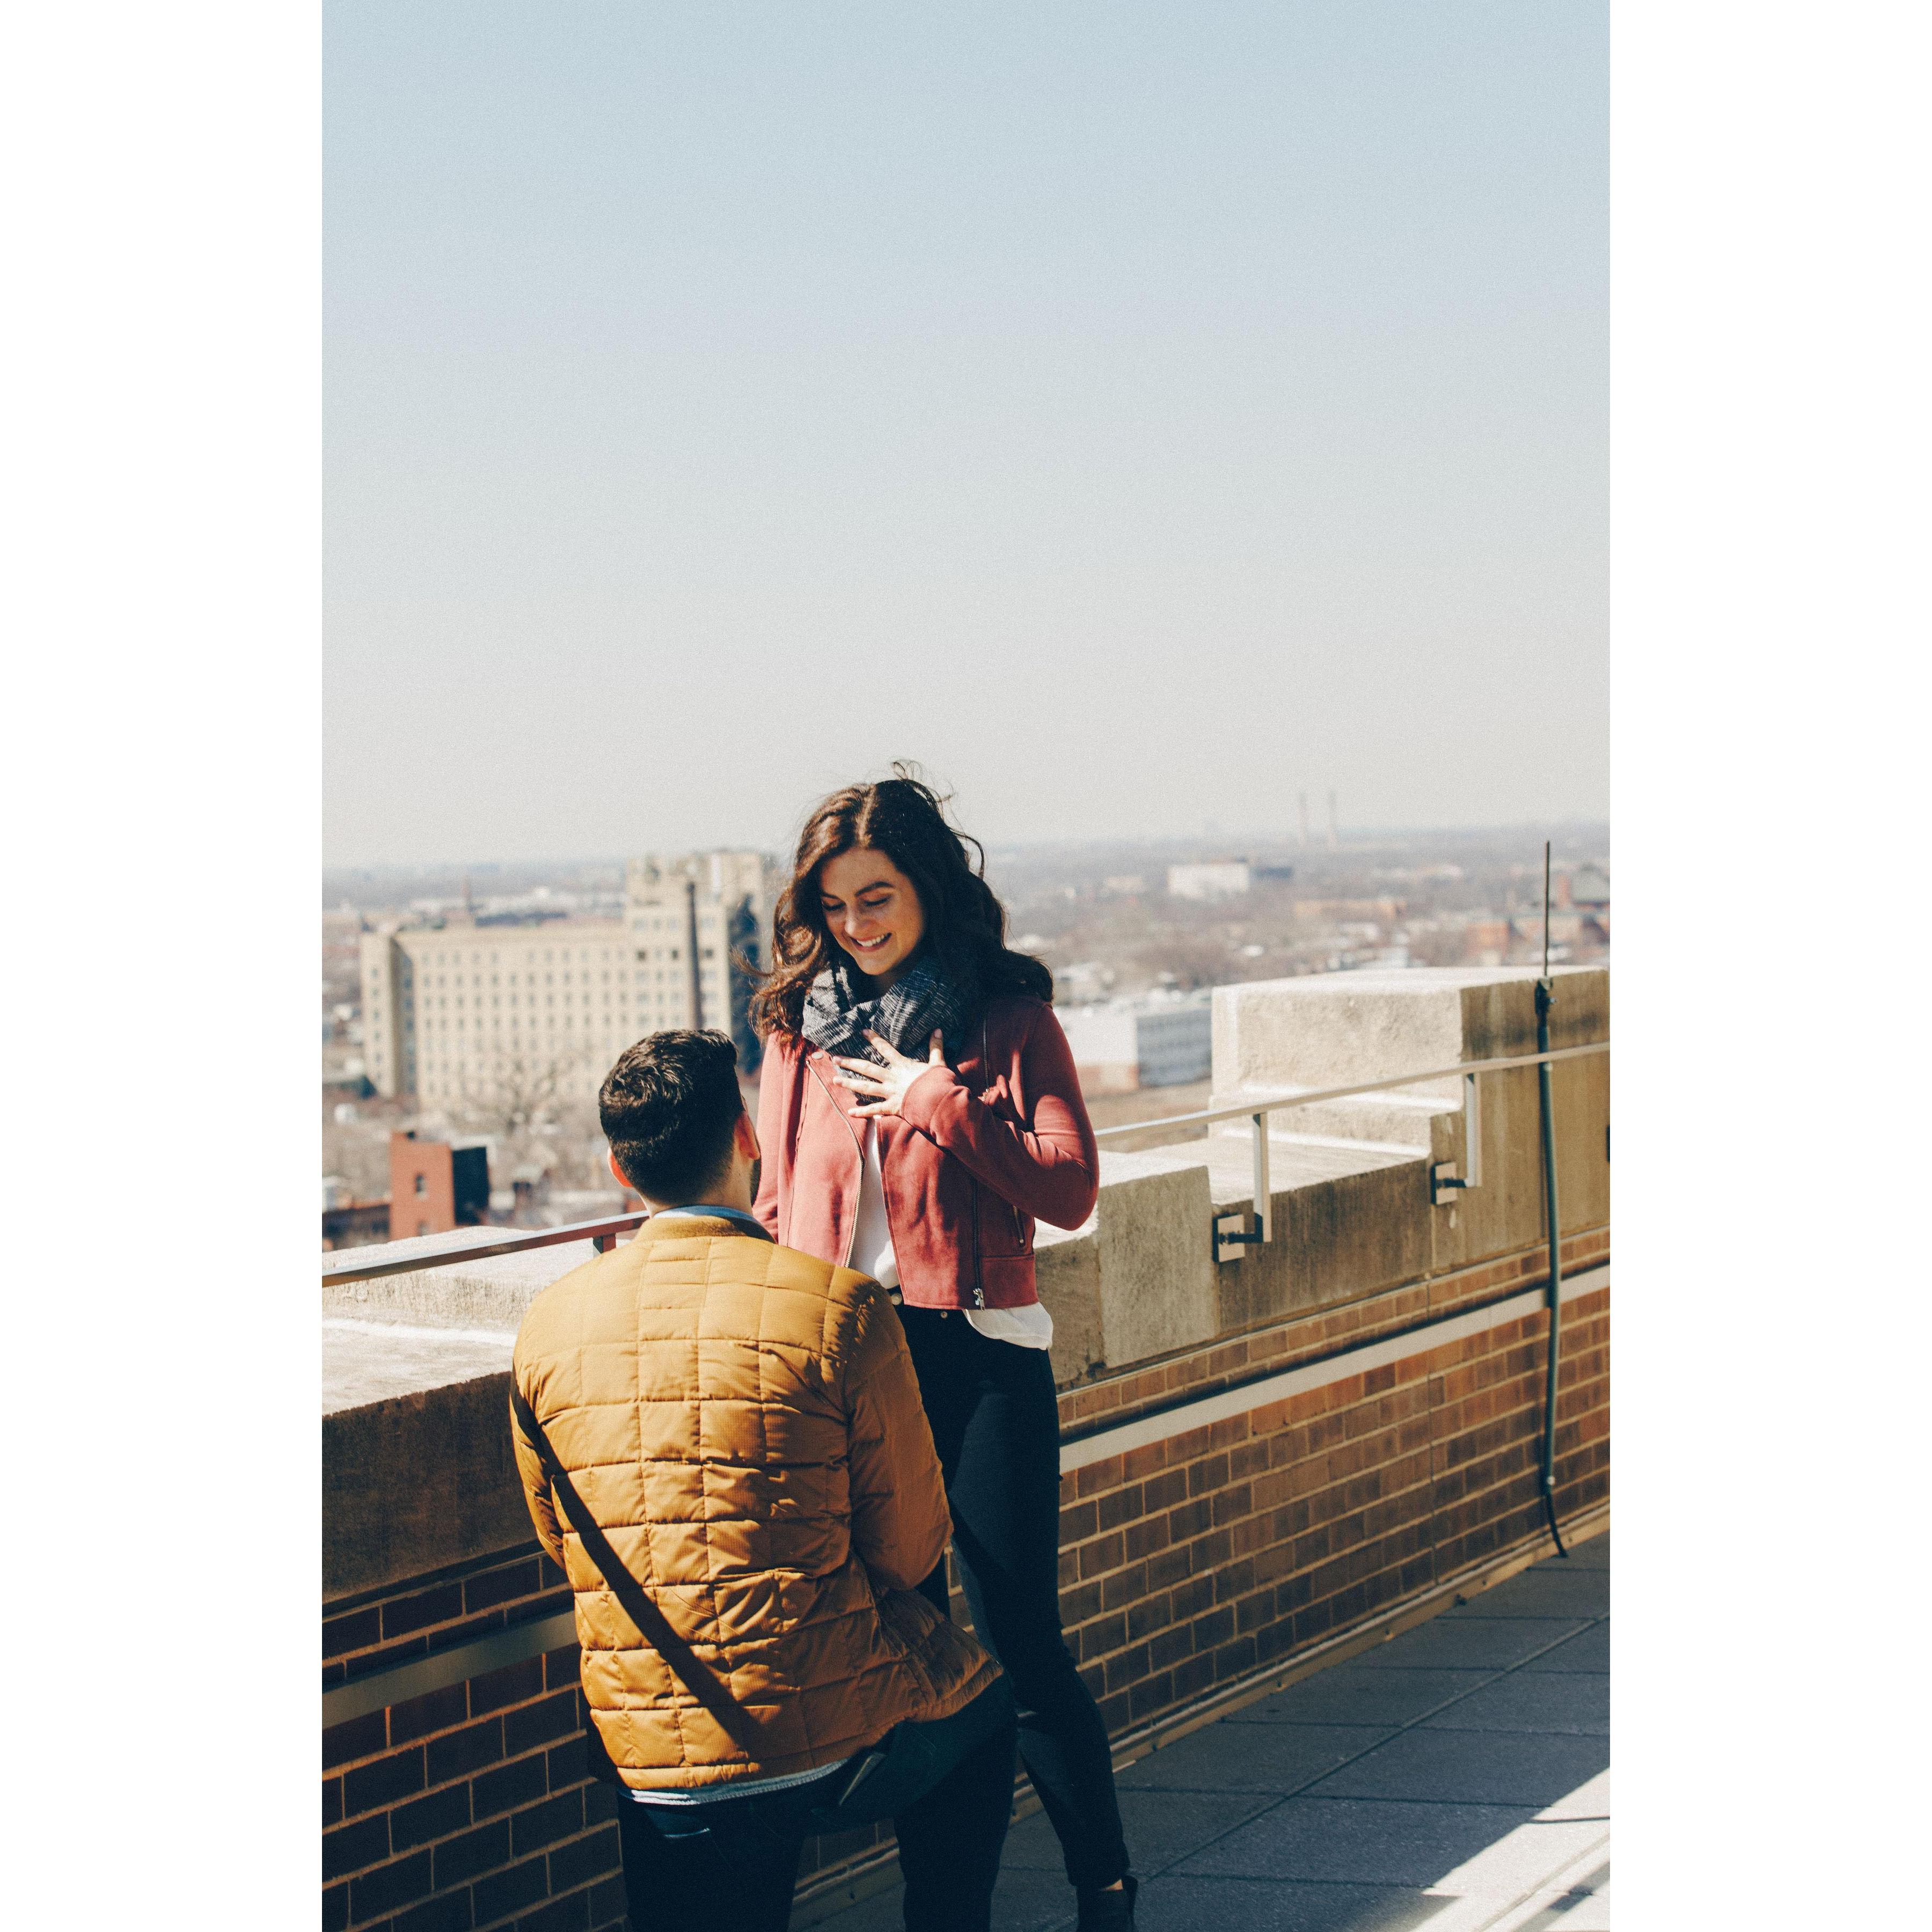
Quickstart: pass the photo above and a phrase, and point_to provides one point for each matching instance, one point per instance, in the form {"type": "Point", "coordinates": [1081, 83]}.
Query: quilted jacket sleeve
{"type": "Point", "coordinates": [900, 1523]}
{"type": "Point", "coordinates": [1049, 1166]}
{"type": "Point", "coordinates": [536, 1486]}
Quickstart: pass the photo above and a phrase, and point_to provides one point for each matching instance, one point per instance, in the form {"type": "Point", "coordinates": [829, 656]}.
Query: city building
{"type": "Point", "coordinates": [698, 923]}
{"type": "Point", "coordinates": [347, 1222]}
{"type": "Point", "coordinates": [436, 1185]}
{"type": "Point", "coordinates": [508, 1019]}
{"type": "Point", "coordinates": [1157, 1041]}
{"type": "Point", "coordinates": [1216, 879]}
{"type": "Point", "coordinates": [1589, 885]}
{"type": "Point", "coordinates": [498, 1016]}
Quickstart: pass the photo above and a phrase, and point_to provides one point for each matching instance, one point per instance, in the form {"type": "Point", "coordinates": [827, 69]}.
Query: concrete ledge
{"type": "Point", "coordinates": [417, 1483]}
{"type": "Point", "coordinates": [367, 1362]}
{"type": "Point", "coordinates": [495, 1293]}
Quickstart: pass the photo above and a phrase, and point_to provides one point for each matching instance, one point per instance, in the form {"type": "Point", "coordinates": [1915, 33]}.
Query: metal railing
{"type": "Point", "coordinates": [603, 1234]}
{"type": "Point", "coordinates": [1443, 1178]}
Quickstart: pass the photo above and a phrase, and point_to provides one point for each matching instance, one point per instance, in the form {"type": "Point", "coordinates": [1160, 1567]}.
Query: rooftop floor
{"type": "Point", "coordinates": [1455, 1778]}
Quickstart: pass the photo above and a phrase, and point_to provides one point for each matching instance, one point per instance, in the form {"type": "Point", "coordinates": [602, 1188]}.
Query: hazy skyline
{"type": "Point", "coordinates": [1140, 415]}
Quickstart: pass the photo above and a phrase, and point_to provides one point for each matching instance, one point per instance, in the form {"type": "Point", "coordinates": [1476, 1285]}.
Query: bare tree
{"type": "Point", "coordinates": [518, 1094]}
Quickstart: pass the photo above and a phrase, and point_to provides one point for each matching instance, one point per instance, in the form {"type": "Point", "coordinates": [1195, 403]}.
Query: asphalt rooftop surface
{"type": "Point", "coordinates": [1455, 1778]}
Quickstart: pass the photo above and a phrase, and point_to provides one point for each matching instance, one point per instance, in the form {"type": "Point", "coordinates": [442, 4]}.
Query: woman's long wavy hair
{"type": "Point", "coordinates": [904, 818]}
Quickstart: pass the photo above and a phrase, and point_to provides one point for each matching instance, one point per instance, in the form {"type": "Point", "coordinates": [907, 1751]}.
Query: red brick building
{"type": "Point", "coordinates": [436, 1186]}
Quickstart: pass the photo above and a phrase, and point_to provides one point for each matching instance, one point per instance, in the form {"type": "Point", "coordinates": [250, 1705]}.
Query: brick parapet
{"type": "Point", "coordinates": [470, 1806]}
{"type": "Point", "coordinates": [1281, 1344]}
{"type": "Point", "coordinates": [1186, 1565]}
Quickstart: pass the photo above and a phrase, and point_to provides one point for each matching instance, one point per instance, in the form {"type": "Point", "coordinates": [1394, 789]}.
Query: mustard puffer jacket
{"type": "Point", "coordinates": [743, 1423]}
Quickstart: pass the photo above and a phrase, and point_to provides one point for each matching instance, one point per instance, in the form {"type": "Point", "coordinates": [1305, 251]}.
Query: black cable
{"type": "Point", "coordinates": [1545, 998]}
{"type": "Point", "coordinates": [1549, 1510]}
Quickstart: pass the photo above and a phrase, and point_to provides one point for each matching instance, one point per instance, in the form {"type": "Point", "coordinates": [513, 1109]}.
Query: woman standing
{"type": "Point", "coordinates": [919, 1111]}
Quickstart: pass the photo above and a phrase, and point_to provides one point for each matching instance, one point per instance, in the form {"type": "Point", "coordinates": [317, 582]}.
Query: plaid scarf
{"type": "Point", "coordinates": [926, 996]}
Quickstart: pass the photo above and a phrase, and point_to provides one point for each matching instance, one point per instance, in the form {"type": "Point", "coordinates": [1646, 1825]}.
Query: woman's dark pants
{"type": "Point", "coordinates": [997, 1428]}
{"type": "Point", "coordinates": [732, 1865]}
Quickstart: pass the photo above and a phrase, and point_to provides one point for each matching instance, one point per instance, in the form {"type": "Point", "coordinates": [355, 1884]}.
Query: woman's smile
{"type": "Point", "coordinates": [859, 891]}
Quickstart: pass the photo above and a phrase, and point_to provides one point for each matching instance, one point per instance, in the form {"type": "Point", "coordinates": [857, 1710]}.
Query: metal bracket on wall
{"type": "Point", "coordinates": [1230, 1232]}
{"type": "Point", "coordinates": [1446, 1178]}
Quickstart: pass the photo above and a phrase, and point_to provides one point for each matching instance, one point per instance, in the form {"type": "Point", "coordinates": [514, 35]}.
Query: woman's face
{"type": "Point", "coordinates": [872, 909]}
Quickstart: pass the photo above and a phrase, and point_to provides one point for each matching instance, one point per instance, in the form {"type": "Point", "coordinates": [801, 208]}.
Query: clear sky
{"type": "Point", "coordinates": [1139, 413]}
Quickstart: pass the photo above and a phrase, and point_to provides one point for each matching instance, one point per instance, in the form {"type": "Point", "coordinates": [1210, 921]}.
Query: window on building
{"type": "Point", "coordinates": [422, 1183]}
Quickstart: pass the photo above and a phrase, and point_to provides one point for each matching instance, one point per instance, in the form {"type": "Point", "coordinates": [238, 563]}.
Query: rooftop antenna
{"type": "Point", "coordinates": [1546, 916]}
{"type": "Point", "coordinates": [1545, 998]}
{"type": "Point", "coordinates": [1331, 818]}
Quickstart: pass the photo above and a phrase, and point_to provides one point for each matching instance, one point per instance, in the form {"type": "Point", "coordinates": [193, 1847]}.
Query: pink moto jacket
{"type": "Point", "coordinates": [985, 1145]}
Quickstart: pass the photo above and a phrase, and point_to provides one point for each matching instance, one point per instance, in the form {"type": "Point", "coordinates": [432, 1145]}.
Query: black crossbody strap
{"type": "Point", "coordinates": [685, 1665]}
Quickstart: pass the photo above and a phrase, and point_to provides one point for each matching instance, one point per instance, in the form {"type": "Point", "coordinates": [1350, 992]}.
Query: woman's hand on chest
{"type": "Point", "coordinates": [881, 1087]}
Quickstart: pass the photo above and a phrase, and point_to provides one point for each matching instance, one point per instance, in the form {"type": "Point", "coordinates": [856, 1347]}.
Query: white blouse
{"type": "Point", "coordinates": [1028, 1327]}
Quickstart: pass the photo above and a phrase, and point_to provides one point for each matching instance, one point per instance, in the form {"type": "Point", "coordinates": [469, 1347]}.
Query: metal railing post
{"type": "Point", "coordinates": [1263, 1199]}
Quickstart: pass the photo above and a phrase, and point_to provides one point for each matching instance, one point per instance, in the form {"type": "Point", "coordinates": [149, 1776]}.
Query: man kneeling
{"type": "Point", "coordinates": [722, 1444]}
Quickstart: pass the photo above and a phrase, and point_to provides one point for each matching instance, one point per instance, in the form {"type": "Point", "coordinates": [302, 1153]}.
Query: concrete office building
{"type": "Point", "coordinates": [459, 1013]}
{"type": "Point", "coordinates": [1125, 1045]}
{"type": "Point", "coordinates": [694, 919]}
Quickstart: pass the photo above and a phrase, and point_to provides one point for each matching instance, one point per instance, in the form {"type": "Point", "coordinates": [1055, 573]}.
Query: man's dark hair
{"type": "Point", "coordinates": [668, 1107]}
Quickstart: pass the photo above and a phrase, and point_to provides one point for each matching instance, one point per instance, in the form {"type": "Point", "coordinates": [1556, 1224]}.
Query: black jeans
{"type": "Point", "coordinates": [732, 1865]}
{"type": "Point", "coordinates": [997, 1428]}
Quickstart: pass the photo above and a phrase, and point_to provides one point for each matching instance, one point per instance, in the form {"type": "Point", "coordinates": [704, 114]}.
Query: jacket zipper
{"type": "Point", "coordinates": [979, 1273]}
{"type": "Point", "coordinates": [978, 1268]}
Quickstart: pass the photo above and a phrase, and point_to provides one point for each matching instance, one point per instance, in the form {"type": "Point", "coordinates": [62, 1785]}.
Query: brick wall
{"type": "Point", "coordinates": [1185, 1565]}
{"type": "Point", "coordinates": [1193, 1562]}
{"type": "Point", "coordinates": [470, 1807]}
{"type": "Point", "coordinates": [426, 1166]}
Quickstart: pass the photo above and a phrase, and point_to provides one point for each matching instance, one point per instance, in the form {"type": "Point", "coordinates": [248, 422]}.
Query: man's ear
{"type": "Point", "coordinates": [744, 1137]}
{"type": "Point", "coordinates": [617, 1174]}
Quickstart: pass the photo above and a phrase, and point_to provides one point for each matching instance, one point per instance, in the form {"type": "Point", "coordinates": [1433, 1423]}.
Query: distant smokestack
{"type": "Point", "coordinates": [691, 946]}
{"type": "Point", "coordinates": [1332, 840]}
{"type": "Point", "coordinates": [1304, 821]}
